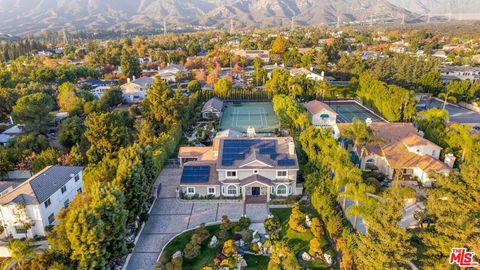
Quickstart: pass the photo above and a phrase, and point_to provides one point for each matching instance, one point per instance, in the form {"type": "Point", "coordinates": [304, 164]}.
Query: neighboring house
{"type": "Point", "coordinates": [169, 73]}
{"type": "Point", "coordinates": [402, 153]}
{"type": "Point", "coordinates": [264, 55]}
{"type": "Point", "coordinates": [440, 54]}
{"type": "Point", "coordinates": [26, 209]}
{"type": "Point", "coordinates": [213, 106]}
{"type": "Point", "coordinates": [308, 73]}
{"type": "Point", "coordinates": [241, 167]}
{"type": "Point", "coordinates": [135, 91]}
{"type": "Point", "coordinates": [9, 134]}
{"type": "Point", "coordinates": [94, 83]}
{"type": "Point", "coordinates": [322, 116]}
{"type": "Point", "coordinates": [460, 73]}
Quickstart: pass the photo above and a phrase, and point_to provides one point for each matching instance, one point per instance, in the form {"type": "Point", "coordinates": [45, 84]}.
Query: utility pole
{"type": "Point", "coordinates": [65, 39]}
{"type": "Point", "coordinates": [232, 28]}
{"type": "Point", "coordinates": [164, 27]}
{"type": "Point", "coordinates": [338, 21]}
{"type": "Point", "coordinates": [403, 19]}
{"type": "Point", "coordinates": [292, 24]}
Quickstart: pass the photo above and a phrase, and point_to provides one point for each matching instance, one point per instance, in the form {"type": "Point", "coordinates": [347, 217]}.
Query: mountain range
{"type": "Point", "coordinates": [30, 16]}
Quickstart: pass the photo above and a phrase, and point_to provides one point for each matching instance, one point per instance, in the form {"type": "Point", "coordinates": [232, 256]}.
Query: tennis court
{"type": "Point", "coordinates": [456, 113]}
{"type": "Point", "coordinates": [240, 116]}
{"type": "Point", "coordinates": [349, 109]}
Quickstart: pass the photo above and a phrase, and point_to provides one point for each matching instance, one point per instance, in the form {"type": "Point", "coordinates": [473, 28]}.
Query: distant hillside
{"type": "Point", "coordinates": [26, 16]}
{"type": "Point", "coordinates": [456, 9]}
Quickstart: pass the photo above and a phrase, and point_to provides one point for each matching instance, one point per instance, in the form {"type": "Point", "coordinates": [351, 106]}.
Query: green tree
{"type": "Point", "coordinates": [132, 180]}
{"type": "Point", "coordinates": [8, 97]}
{"type": "Point", "coordinates": [46, 158]}
{"type": "Point", "coordinates": [159, 107]}
{"type": "Point", "coordinates": [279, 45]}
{"type": "Point", "coordinates": [362, 203]}
{"type": "Point", "coordinates": [453, 204]}
{"type": "Point", "coordinates": [112, 97]}
{"type": "Point", "coordinates": [71, 131]}
{"type": "Point", "coordinates": [359, 133]}
{"type": "Point", "coordinates": [107, 132]}
{"type": "Point", "coordinates": [385, 245]}
{"type": "Point", "coordinates": [278, 84]}
{"type": "Point", "coordinates": [20, 251]}
{"type": "Point", "coordinates": [316, 228]}
{"type": "Point", "coordinates": [5, 162]}
{"type": "Point", "coordinates": [129, 63]}
{"type": "Point", "coordinates": [259, 74]}
{"type": "Point", "coordinates": [282, 257]}
{"type": "Point", "coordinates": [34, 111]}
{"type": "Point", "coordinates": [67, 98]}
{"type": "Point", "coordinates": [460, 138]}
{"type": "Point", "coordinates": [222, 87]}
{"type": "Point", "coordinates": [194, 86]}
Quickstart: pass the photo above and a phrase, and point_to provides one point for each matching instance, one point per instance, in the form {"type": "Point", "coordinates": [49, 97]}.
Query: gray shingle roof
{"type": "Point", "coordinates": [48, 182]}
{"type": "Point", "coordinates": [41, 186]}
{"type": "Point", "coordinates": [214, 103]}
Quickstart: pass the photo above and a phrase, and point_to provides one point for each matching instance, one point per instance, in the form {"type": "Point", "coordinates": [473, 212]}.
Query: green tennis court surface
{"type": "Point", "coordinates": [259, 115]}
{"type": "Point", "coordinates": [348, 110]}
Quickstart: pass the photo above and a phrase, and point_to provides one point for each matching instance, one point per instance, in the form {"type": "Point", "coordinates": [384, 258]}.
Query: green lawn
{"type": "Point", "coordinates": [256, 262]}
{"type": "Point", "coordinates": [206, 254]}
{"type": "Point", "coordinates": [299, 242]}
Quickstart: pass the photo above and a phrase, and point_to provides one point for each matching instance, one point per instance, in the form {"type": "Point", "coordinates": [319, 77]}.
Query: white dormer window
{"type": "Point", "coordinates": [282, 174]}
{"type": "Point", "coordinates": [231, 174]}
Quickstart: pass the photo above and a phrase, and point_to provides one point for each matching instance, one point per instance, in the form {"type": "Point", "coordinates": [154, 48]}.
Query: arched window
{"type": "Point", "coordinates": [282, 190]}
{"type": "Point", "coordinates": [232, 190]}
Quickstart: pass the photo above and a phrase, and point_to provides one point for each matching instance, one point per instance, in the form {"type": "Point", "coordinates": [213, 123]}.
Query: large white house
{"type": "Point", "coordinates": [308, 73]}
{"type": "Point", "coordinates": [250, 168]}
{"type": "Point", "coordinates": [402, 153]}
{"type": "Point", "coordinates": [322, 116]}
{"type": "Point", "coordinates": [26, 209]}
{"type": "Point", "coordinates": [135, 90]}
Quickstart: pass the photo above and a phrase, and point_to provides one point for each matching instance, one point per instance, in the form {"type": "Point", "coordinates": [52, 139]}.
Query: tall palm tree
{"type": "Point", "coordinates": [362, 203]}
{"type": "Point", "coordinates": [360, 134]}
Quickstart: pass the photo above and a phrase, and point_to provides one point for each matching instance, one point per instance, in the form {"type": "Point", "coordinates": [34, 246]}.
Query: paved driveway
{"type": "Point", "coordinates": [170, 217]}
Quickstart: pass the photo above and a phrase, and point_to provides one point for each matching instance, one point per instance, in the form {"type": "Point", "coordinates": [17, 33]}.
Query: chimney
{"type": "Point", "coordinates": [449, 160]}
{"type": "Point", "coordinates": [291, 148]}
{"type": "Point", "coordinates": [133, 78]}
{"type": "Point", "coordinates": [128, 80]}
{"type": "Point", "coordinates": [421, 133]}
{"type": "Point", "coordinates": [368, 121]}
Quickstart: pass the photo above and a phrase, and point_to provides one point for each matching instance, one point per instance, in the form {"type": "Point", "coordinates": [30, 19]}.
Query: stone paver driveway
{"type": "Point", "coordinates": [170, 217]}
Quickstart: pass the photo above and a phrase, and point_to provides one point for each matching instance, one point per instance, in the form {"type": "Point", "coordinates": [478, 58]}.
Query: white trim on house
{"type": "Point", "coordinates": [256, 161]}
{"type": "Point", "coordinates": [286, 190]}
{"type": "Point", "coordinates": [211, 193]}
{"type": "Point", "coordinates": [231, 177]}
{"type": "Point", "coordinates": [256, 182]}
{"type": "Point", "coordinates": [188, 190]}
{"type": "Point", "coordinates": [281, 177]}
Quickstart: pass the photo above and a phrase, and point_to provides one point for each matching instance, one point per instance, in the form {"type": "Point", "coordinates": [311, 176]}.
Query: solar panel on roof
{"type": "Point", "coordinates": [286, 162]}
{"type": "Point", "coordinates": [195, 174]}
{"type": "Point", "coordinates": [237, 149]}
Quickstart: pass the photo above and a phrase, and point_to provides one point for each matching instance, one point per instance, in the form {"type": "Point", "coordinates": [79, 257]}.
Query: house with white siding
{"type": "Point", "coordinates": [26, 209]}
{"type": "Point", "coordinates": [247, 168]}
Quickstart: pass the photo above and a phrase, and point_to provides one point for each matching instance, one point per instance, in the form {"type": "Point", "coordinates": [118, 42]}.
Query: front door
{"type": "Point", "coordinates": [255, 191]}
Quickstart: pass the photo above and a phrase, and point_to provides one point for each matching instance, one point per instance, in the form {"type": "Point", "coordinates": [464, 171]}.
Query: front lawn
{"type": "Point", "coordinates": [299, 242]}
{"type": "Point", "coordinates": [207, 254]}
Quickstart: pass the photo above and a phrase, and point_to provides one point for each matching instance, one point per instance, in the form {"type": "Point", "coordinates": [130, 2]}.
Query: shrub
{"type": "Point", "coordinates": [334, 226]}
{"type": "Point", "coordinates": [271, 225]}
{"type": "Point", "coordinates": [143, 217]}
{"type": "Point", "coordinates": [297, 219]}
{"type": "Point", "coordinates": [372, 181]}
{"type": "Point", "coordinates": [175, 264]}
{"type": "Point", "coordinates": [224, 227]}
{"type": "Point", "coordinates": [244, 223]}
{"type": "Point", "coordinates": [192, 249]}
{"type": "Point", "coordinates": [315, 247]}
{"type": "Point", "coordinates": [254, 247]}
{"type": "Point", "coordinates": [316, 227]}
